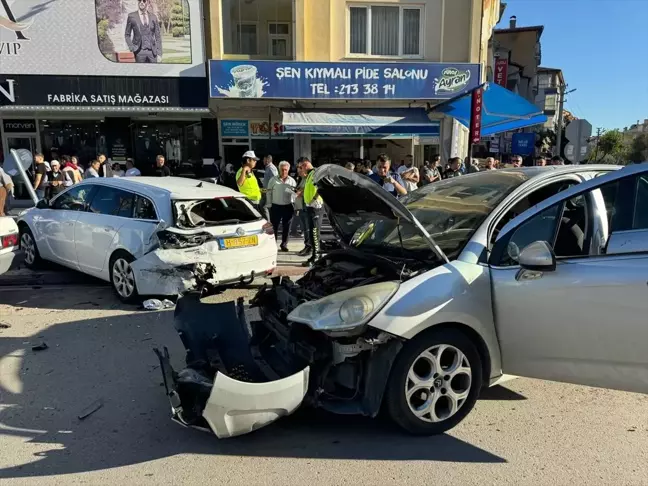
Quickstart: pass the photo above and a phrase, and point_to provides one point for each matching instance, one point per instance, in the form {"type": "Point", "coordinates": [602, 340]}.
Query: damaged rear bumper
{"type": "Point", "coordinates": [225, 388]}
{"type": "Point", "coordinates": [176, 271]}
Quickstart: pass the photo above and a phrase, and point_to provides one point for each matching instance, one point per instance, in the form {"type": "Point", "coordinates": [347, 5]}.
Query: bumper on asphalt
{"type": "Point", "coordinates": [224, 387]}
{"type": "Point", "coordinates": [11, 260]}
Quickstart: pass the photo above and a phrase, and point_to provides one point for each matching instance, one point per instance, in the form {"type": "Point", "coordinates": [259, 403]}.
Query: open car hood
{"type": "Point", "coordinates": [347, 192]}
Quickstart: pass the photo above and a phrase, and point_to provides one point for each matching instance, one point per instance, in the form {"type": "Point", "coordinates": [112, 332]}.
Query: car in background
{"type": "Point", "coordinates": [10, 254]}
{"type": "Point", "coordinates": [538, 272]}
{"type": "Point", "coordinates": [150, 235]}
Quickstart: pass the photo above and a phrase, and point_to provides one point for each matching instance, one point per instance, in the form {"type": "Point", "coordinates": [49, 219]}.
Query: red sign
{"type": "Point", "coordinates": [501, 71]}
{"type": "Point", "coordinates": [476, 115]}
{"type": "Point", "coordinates": [264, 128]}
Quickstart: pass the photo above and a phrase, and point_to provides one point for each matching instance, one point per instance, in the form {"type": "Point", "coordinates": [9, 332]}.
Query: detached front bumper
{"type": "Point", "coordinates": [225, 388]}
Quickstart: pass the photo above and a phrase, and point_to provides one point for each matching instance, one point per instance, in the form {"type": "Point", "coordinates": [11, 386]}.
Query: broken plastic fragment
{"type": "Point", "coordinates": [90, 409]}
{"type": "Point", "coordinates": [153, 304]}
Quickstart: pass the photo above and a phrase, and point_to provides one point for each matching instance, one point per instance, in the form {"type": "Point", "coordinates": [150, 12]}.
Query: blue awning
{"type": "Point", "coordinates": [349, 121]}
{"type": "Point", "coordinates": [502, 110]}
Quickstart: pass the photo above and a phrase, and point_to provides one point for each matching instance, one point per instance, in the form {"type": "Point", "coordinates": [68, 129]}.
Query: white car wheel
{"type": "Point", "coordinates": [28, 246]}
{"type": "Point", "coordinates": [123, 278]}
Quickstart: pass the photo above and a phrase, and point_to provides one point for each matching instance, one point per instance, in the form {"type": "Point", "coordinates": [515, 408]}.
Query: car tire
{"type": "Point", "coordinates": [122, 277]}
{"type": "Point", "coordinates": [434, 383]}
{"type": "Point", "coordinates": [32, 258]}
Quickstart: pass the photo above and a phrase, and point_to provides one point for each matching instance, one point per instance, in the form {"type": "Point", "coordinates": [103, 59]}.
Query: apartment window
{"type": "Point", "coordinates": [247, 40]}
{"type": "Point", "coordinates": [279, 39]}
{"type": "Point", "coordinates": [551, 102]}
{"type": "Point", "coordinates": [385, 30]}
{"type": "Point", "coordinates": [257, 28]}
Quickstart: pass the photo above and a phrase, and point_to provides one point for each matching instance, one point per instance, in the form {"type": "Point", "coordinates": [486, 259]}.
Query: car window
{"type": "Point", "coordinates": [565, 226]}
{"type": "Point", "coordinates": [112, 201]}
{"type": "Point", "coordinates": [74, 199]}
{"type": "Point", "coordinates": [530, 200]}
{"type": "Point", "coordinates": [144, 208]}
{"type": "Point", "coordinates": [640, 219]}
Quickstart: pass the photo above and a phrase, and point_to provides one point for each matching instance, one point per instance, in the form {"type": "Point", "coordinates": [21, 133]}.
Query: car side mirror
{"type": "Point", "coordinates": [43, 204]}
{"type": "Point", "coordinates": [538, 256]}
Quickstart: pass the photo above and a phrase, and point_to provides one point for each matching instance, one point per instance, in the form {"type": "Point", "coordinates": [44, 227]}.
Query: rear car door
{"type": "Point", "coordinates": [97, 228]}
{"type": "Point", "coordinates": [54, 226]}
{"type": "Point", "coordinates": [585, 320]}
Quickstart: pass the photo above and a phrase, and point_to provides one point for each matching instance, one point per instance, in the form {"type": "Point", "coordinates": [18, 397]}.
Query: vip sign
{"type": "Point", "coordinates": [8, 22]}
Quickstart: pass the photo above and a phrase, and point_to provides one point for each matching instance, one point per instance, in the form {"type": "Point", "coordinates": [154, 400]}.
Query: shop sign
{"type": "Point", "coordinates": [265, 129]}
{"type": "Point", "coordinates": [523, 143]}
{"type": "Point", "coordinates": [501, 71]}
{"type": "Point", "coordinates": [19, 126]}
{"type": "Point", "coordinates": [35, 90]}
{"type": "Point", "coordinates": [345, 80]}
{"type": "Point", "coordinates": [234, 129]}
{"type": "Point", "coordinates": [102, 37]}
{"type": "Point", "coordinates": [476, 115]}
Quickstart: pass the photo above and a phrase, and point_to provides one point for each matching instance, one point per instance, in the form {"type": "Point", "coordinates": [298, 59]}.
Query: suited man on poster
{"type": "Point", "coordinates": [143, 35]}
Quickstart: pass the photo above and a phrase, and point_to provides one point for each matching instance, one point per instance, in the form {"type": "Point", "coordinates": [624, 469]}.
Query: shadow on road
{"type": "Point", "coordinates": [42, 394]}
{"type": "Point", "coordinates": [499, 392]}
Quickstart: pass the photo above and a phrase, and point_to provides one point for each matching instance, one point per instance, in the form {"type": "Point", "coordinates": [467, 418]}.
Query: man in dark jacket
{"type": "Point", "coordinates": [143, 36]}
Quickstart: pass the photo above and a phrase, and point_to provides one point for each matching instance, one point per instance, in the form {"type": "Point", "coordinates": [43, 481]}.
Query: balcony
{"type": "Point", "coordinates": [258, 29]}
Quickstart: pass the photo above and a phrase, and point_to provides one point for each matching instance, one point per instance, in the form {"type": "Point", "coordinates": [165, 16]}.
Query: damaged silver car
{"type": "Point", "coordinates": [432, 298]}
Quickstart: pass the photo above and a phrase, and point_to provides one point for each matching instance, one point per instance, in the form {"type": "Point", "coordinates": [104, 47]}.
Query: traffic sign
{"type": "Point", "coordinates": [577, 132]}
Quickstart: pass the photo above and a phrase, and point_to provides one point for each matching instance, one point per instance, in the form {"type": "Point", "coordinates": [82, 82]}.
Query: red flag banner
{"type": "Point", "coordinates": [476, 115]}
{"type": "Point", "coordinates": [501, 71]}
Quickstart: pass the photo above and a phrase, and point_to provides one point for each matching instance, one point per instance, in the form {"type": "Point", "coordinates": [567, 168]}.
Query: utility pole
{"type": "Point", "coordinates": [561, 109]}
{"type": "Point", "coordinates": [599, 133]}
{"type": "Point", "coordinates": [559, 129]}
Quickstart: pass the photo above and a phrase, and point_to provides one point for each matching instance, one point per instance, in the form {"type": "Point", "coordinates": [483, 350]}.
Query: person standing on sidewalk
{"type": "Point", "coordinates": [300, 208]}
{"type": "Point", "coordinates": [40, 176]}
{"type": "Point", "coordinates": [314, 204]}
{"type": "Point", "coordinates": [6, 190]}
{"type": "Point", "coordinates": [279, 199]}
{"type": "Point", "coordinates": [246, 181]}
{"type": "Point", "coordinates": [270, 172]}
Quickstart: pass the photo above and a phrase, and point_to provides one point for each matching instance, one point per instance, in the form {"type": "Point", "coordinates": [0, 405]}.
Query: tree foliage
{"type": "Point", "coordinates": [610, 147]}
{"type": "Point", "coordinates": [110, 11]}
{"type": "Point", "coordinates": [638, 151]}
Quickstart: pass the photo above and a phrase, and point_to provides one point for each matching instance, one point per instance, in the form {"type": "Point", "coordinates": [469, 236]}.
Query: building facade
{"type": "Point", "coordinates": [271, 59]}
{"type": "Point", "coordinates": [551, 83]}
{"type": "Point", "coordinates": [115, 79]}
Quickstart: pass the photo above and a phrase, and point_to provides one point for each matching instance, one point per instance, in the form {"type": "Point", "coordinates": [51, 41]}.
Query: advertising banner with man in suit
{"type": "Point", "coordinates": [142, 34]}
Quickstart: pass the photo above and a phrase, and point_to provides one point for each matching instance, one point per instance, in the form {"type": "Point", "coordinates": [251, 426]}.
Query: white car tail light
{"type": "Point", "coordinates": [10, 240]}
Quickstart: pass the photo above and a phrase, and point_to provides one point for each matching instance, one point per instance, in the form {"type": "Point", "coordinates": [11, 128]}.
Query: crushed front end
{"type": "Point", "coordinates": [242, 373]}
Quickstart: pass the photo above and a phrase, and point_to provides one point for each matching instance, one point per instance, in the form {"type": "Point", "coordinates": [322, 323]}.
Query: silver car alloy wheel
{"type": "Point", "coordinates": [28, 246]}
{"type": "Point", "coordinates": [438, 383]}
{"type": "Point", "coordinates": [123, 278]}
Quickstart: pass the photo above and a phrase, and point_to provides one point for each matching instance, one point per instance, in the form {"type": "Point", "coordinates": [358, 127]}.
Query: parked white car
{"type": "Point", "coordinates": [151, 236]}
{"type": "Point", "coordinates": [536, 272]}
{"type": "Point", "coordinates": [10, 254]}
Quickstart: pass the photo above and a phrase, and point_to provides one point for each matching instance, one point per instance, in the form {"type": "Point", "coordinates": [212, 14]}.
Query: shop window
{"type": "Point", "coordinates": [83, 139]}
{"type": "Point", "coordinates": [179, 142]}
{"type": "Point", "coordinates": [381, 30]}
{"type": "Point", "coordinates": [248, 26]}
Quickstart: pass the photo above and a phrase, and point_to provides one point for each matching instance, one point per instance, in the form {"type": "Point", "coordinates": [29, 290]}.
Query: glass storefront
{"type": "Point", "coordinates": [335, 150]}
{"type": "Point", "coordinates": [179, 141]}
{"type": "Point", "coordinates": [83, 139]}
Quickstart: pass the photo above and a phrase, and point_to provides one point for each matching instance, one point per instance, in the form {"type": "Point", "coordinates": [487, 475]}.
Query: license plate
{"type": "Point", "coordinates": [240, 242]}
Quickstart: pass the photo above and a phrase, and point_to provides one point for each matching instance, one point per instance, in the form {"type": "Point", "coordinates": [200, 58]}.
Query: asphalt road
{"type": "Point", "coordinates": [526, 432]}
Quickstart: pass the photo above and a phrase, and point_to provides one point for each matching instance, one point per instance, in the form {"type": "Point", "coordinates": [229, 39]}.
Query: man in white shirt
{"type": "Point", "coordinates": [131, 170]}
{"type": "Point", "coordinates": [280, 196]}
{"type": "Point", "coordinates": [409, 163]}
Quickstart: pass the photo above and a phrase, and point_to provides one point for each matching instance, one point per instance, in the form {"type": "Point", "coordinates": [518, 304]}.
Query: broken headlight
{"type": "Point", "coordinates": [170, 240]}
{"type": "Point", "coordinates": [345, 310]}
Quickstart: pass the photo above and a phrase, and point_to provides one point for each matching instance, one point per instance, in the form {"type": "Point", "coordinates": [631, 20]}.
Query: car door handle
{"type": "Point", "coordinates": [109, 228]}
{"type": "Point", "coordinates": [524, 274]}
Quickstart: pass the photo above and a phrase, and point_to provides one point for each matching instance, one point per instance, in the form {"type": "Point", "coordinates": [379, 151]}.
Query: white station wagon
{"type": "Point", "coordinates": [151, 236]}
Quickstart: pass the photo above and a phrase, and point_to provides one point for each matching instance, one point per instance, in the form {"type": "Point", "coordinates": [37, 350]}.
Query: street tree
{"type": "Point", "coordinates": [610, 148]}
{"type": "Point", "coordinates": [639, 149]}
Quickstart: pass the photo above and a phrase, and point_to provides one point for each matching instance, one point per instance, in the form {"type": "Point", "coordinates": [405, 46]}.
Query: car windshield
{"type": "Point", "coordinates": [450, 210]}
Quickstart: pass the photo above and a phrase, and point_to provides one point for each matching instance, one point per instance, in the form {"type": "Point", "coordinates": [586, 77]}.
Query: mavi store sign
{"type": "Point", "coordinates": [346, 80]}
